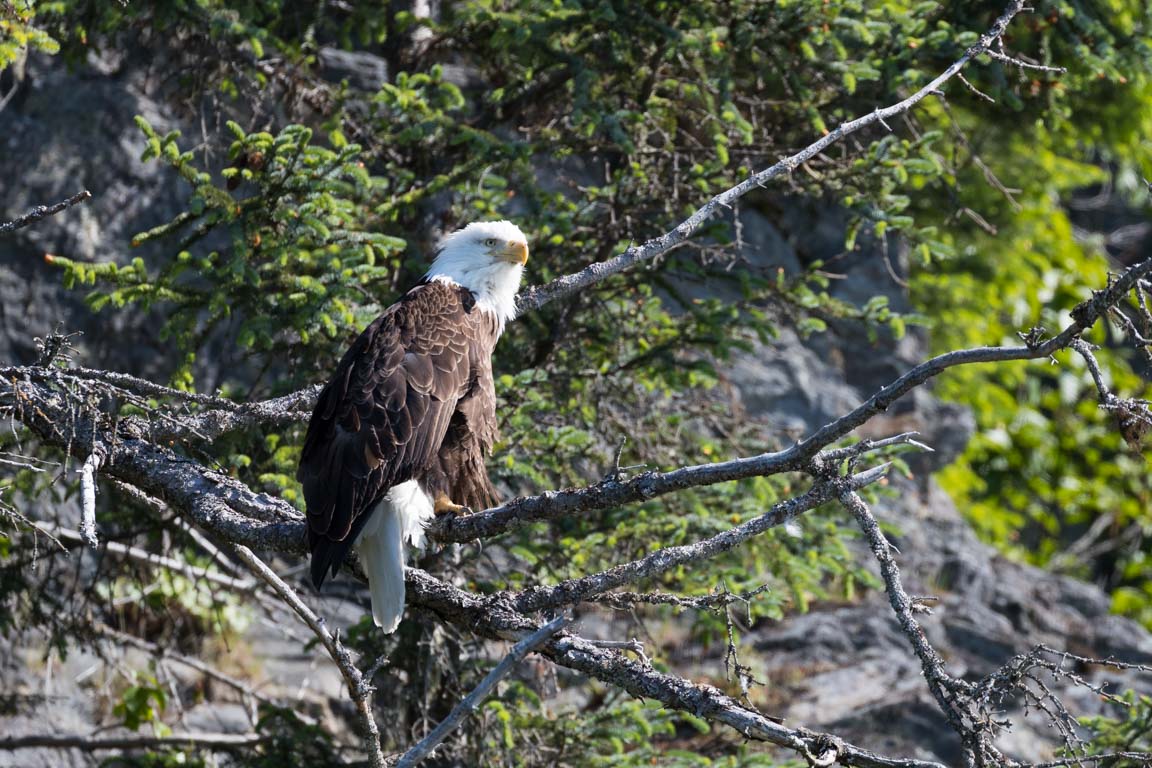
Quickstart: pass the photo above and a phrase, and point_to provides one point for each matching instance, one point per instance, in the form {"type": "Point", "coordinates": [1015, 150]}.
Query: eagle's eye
{"type": "Point", "coordinates": [490, 242]}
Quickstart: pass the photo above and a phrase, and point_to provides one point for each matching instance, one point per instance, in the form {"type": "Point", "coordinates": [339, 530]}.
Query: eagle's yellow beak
{"type": "Point", "coordinates": [515, 252]}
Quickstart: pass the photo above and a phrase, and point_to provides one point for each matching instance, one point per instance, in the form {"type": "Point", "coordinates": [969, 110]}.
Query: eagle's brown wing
{"type": "Point", "coordinates": [458, 470]}
{"type": "Point", "coordinates": [383, 417]}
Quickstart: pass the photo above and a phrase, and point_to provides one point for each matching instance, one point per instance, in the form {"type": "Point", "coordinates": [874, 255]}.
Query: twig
{"type": "Point", "coordinates": [469, 703]}
{"type": "Point", "coordinates": [633, 645]}
{"type": "Point", "coordinates": [868, 445]}
{"type": "Point", "coordinates": [179, 566]}
{"type": "Point", "coordinates": [40, 211]}
{"type": "Point", "coordinates": [96, 743]}
{"type": "Point", "coordinates": [980, 94]}
{"type": "Point", "coordinates": [1024, 64]}
{"type": "Point", "coordinates": [123, 638]}
{"type": "Point", "coordinates": [359, 689]}
{"type": "Point", "coordinates": [1084, 349]}
{"type": "Point", "coordinates": [663, 560]}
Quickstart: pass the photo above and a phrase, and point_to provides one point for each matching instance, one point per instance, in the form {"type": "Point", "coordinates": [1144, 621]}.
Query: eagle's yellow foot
{"type": "Point", "coordinates": [444, 505]}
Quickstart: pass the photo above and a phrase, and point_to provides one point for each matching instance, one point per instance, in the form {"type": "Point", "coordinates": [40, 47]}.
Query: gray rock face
{"type": "Point", "coordinates": [70, 131]}
{"type": "Point", "coordinates": [848, 669]}
{"type": "Point", "coordinates": [859, 679]}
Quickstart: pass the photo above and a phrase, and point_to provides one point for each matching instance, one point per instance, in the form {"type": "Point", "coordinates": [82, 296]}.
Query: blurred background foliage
{"type": "Point", "coordinates": [313, 204]}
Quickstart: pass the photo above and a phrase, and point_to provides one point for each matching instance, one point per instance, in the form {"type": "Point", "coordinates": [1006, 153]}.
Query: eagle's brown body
{"type": "Point", "coordinates": [412, 399]}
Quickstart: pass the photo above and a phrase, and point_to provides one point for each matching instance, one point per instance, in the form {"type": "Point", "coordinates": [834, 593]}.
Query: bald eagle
{"type": "Point", "coordinates": [401, 431]}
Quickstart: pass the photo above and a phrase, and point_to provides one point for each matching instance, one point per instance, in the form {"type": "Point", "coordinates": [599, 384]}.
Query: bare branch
{"type": "Point", "coordinates": [1017, 62]}
{"type": "Point", "coordinates": [41, 211]}
{"type": "Point", "coordinates": [718, 599]}
{"type": "Point", "coordinates": [178, 566]}
{"type": "Point", "coordinates": [664, 560]}
{"type": "Point", "coordinates": [952, 695]}
{"type": "Point", "coordinates": [469, 703]}
{"type": "Point", "coordinates": [536, 297]}
{"type": "Point", "coordinates": [222, 741]}
{"type": "Point", "coordinates": [359, 690]}
{"type": "Point", "coordinates": [1140, 758]}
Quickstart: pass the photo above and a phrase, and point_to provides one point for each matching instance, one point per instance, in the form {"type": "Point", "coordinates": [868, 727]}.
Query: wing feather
{"type": "Point", "coordinates": [383, 417]}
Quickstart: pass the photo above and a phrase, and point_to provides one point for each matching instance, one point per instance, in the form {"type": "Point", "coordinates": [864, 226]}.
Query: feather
{"type": "Point", "coordinates": [381, 548]}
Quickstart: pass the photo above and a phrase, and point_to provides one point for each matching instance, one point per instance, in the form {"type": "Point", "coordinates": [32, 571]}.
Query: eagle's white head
{"type": "Point", "coordinates": [487, 258]}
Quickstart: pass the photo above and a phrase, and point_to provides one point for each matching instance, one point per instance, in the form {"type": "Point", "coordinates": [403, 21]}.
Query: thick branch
{"type": "Point", "coordinates": [536, 297]}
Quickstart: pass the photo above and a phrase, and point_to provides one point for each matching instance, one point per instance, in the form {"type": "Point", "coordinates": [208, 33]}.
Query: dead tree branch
{"type": "Point", "coordinates": [41, 211]}
{"type": "Point", "coordinates": [219, 741]}
{"type": "Point", "coordinates": [536, 297]}
{"type": "Point", "coordinates": [469, 703]}
{"type": "Point", "coordinates": [359, 689]}
{"type": "Point", "coordinates": [950, 693]}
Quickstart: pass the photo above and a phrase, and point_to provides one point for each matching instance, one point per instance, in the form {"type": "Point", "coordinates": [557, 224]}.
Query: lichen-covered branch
{"type": "Point", "coordinates": [42, 211]}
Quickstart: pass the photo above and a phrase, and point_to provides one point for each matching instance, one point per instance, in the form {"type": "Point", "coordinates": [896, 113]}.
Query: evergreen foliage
{"type": "Point", "coordinates": [593, 124]}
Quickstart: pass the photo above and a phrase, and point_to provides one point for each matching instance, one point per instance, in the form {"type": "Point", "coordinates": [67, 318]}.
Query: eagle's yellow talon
{"type": "Point", "coordinates": [445, 505]}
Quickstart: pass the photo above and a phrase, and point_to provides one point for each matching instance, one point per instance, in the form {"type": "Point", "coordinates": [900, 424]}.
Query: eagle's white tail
{"type": "Point", "coordinates": [397, 520]}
